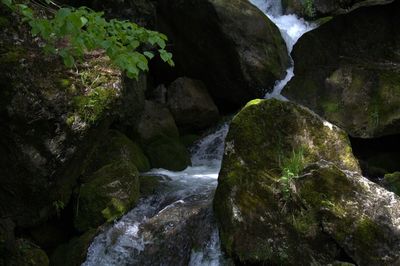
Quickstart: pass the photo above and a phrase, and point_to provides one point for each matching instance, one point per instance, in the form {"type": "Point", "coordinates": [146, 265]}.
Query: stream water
{"type": "Point", "coordinates": [164, 228]}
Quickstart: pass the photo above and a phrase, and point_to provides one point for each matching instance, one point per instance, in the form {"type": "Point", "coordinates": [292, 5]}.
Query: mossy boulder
{"type": "Point", "coordinates": [74, 252]}
{"type": "Point", "coordinates": [346, 77]}
{"type": "Point", "coordinates": [168, 153]}
{"type": "Point", "coordinates": [392, 182]}
{"type": "Point", "coordinates": [235, 49]}
{"type": "Point", "coordinates": [106, 195]}
{"type": "Point", "coordinates": [26, 254]}
{"type": "Point", "coordinates": [115, 147]}
{"type": "Point", "coordinates": [250, 202]}
{"type": "Point", "coordinates": [360, 216]}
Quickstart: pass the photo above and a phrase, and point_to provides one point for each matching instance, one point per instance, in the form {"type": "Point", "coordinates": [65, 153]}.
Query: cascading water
{"type": "Point", "coordinates": [291, 28]}
{"type": "Point", "coordinates": [164, 228]}
{"type": "Point", "coordinates": [145, 236]}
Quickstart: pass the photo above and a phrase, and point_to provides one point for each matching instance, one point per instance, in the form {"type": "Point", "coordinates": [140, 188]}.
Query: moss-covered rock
{"type": "Point", "coordinates": [358, 214]}
{"type": "Point", "coordinates": [26, 254]}
{"type": "Point", "coordinates": [392, 182]}
{"type": "Point", "coordinates": [348, 79]}
{"type": "Point", "coordinates": [115, 147]}
{"type": "Point", "coordinates": [74, 252]}
{"type": "Point", "coordinates": [168, 153]}
{"type": "Point", "coordinates": [149, 184]}
{"type": "Point", "coordinates": [236, 50]}
{"type": "Point", "coordinates": [252, 201]}
{"type": "Point", "coordinates": [106, 195]}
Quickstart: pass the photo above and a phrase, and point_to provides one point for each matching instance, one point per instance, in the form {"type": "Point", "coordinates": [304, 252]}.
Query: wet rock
{"type": "Point", "coordinates": [269, 142]}
{"type": "Point", "coordinates": [230, 45]}
{"type": "Point", "coordinates": [191, 106]}
{"type": "Point", "coordinates": [74, 252]}
{"type": "Point", "coordinates": [106, 195]}
{"type": "Point", "coordinates": [350, 76]}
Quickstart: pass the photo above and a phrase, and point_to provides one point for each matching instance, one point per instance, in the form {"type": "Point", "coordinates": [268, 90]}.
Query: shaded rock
{"type": "Point", "coordinates": [320, 8]}
{"type": "Point", "coordinates": [106, 195]}
{"type": "Point", "coordinates": [149, 184]}
{"type": "Point", "coordinates": [47, 127]}
{"type": "Point", "coordinates": [116, 147]}
{"type": "Point", "coordinates": [392, 182]}
{"type": "Point", "coordinates": [159, 138]}
{"type": "Point", "coordinates": [168, 153]}
{"type": "Point", "coordinates": [190, 104]}
{"type": "Point", "coordinates": [156, 121]}
{"type": "Point", "coordinates": [26, 253]}
{"type": "Point", "coordinates": [74, 252]}
{"type": "Point", "coordinates": [230, 45]}
{"type": "Point", "coordinates": [253, 198]}
{"type": "Point", "coordinates": [350, 76]}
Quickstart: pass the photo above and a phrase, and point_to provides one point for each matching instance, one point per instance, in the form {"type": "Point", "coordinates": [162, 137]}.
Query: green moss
{"type": "Point", "coordinates": [392, 182]}
{"type": "Point", "coordinates": [92, 107]}
{"type": "Point", "coordinates": [27, 254]}
{"type": "Point", "coordinates": [331, 107]}
{"type": "Point", "coordinates": [107, 195]}
{"type": "Point", "coordinates": [253, 102]}
{"type": "Point", "coordinates": [366, 235]}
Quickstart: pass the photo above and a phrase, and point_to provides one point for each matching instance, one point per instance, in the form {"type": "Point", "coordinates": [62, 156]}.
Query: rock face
{"type": "Point", "coordinates": [289, 193]}
{"type": "Point", "coordinates": [230, 45]}
{"type": "Point", "coordinates": [191, 105]}
{"type": "Point", "coordinates": [321, 8]}
{"type": "Point", "coordinates": [348, 71]}
{"type": "Point", "coordinates": [106, 195]}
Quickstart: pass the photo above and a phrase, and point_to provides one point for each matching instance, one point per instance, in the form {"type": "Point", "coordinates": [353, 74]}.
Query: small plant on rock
{"type": "Point", "coordinates": [291, 169]}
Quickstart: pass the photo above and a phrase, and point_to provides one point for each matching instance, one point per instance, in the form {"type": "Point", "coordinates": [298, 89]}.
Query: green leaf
{"type": "Point", "coordinates": [149, 55]}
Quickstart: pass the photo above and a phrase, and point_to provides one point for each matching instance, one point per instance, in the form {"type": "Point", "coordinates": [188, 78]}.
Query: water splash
{"type": "Point", "coordinates": [291, 28]}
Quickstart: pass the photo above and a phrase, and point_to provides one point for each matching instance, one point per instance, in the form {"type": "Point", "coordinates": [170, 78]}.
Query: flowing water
{"type": "Point", "coordinates": [175, 226]}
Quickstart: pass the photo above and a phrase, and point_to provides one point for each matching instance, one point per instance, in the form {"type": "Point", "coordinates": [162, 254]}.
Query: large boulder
{"type": "Point", "coordinates": [230, 45]}
{"type": "Point", "coordinates": [348, 71]}
{"type": "Point", "coordinates": [191, 105]}
{"type": "Point", "coordinates": [260, 217]}
{"type": "Point", "coordinates": [50, 120]}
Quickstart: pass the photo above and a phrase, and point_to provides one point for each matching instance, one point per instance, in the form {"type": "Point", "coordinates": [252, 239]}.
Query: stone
{"type": "Point", "coordinates": [350, 76]}
{"type": "Point", "coordinates": [268, 144]}
{"type": "Point", "coordinates": [191, 106]}
{"type": "Point", "coordinates": [106, 195]}
{"type": "Point", "coordinates": [230, 45]}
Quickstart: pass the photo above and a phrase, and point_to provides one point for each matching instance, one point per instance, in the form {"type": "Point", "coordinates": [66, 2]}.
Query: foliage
{"type": "Point", "coordinates": [309, 8]}
{"type": "Point", "coordinates": [58, 206]}
{"type": "Point", "coordinates": [291, 168]}
{"type": "Point", "coordinates": [72, 32]}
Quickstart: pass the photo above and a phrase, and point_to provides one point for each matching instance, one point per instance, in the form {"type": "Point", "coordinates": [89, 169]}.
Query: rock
{"type": "Point", "coordinates": [156, 121]}
{"type": "Point", "coordinates": [392, 182]}
{"type": "Point", "coordinates": [26, 253]}
{"type": "Point", "coordinates": [168, 153]}
{"type": "Point", "coordinates": [47, 127]}
{"type": "Point", "coordinates": [149, 184]}
{"type": "Point", "coordinates": [159, 138]}
{"type": "Point", "coordinates": [74, 252]}
{"type": "Point", "coordinates": [360, 216]}
{"type": "Point", "coordinates": [230, 45]}
{"type": "Point", "coordinates": [115, 147]}
{"type": "Point", "coordinates": [321, 8]}
{"type": "Point", "coordinates": [346, 77]}
{"type": "Point", "coordinates": [106, 195]}
{"type": "Point", "coordinates": [267, 141]}
{"type": "Point", "coordinates": [190, 104]}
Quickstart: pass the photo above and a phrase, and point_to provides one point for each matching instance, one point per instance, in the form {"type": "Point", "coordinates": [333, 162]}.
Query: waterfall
{"type": "Point", "coordinates": [291, 28]}
{"type": "Point", "coordinates": [147, 234]}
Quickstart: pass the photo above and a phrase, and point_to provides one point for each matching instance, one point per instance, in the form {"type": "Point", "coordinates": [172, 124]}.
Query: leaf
{"type": "Point", "coordinates": [84, 21]}
{"type": "Point", "coordinates": [149, 55]}
{"type": "Point", "coordinates": [69, 61]}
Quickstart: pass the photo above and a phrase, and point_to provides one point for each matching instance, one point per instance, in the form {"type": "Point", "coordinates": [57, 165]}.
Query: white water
{"type": "Point", "coordinates": [123, 241]}
{"type": "Point", "coordinates": [291, 28]}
